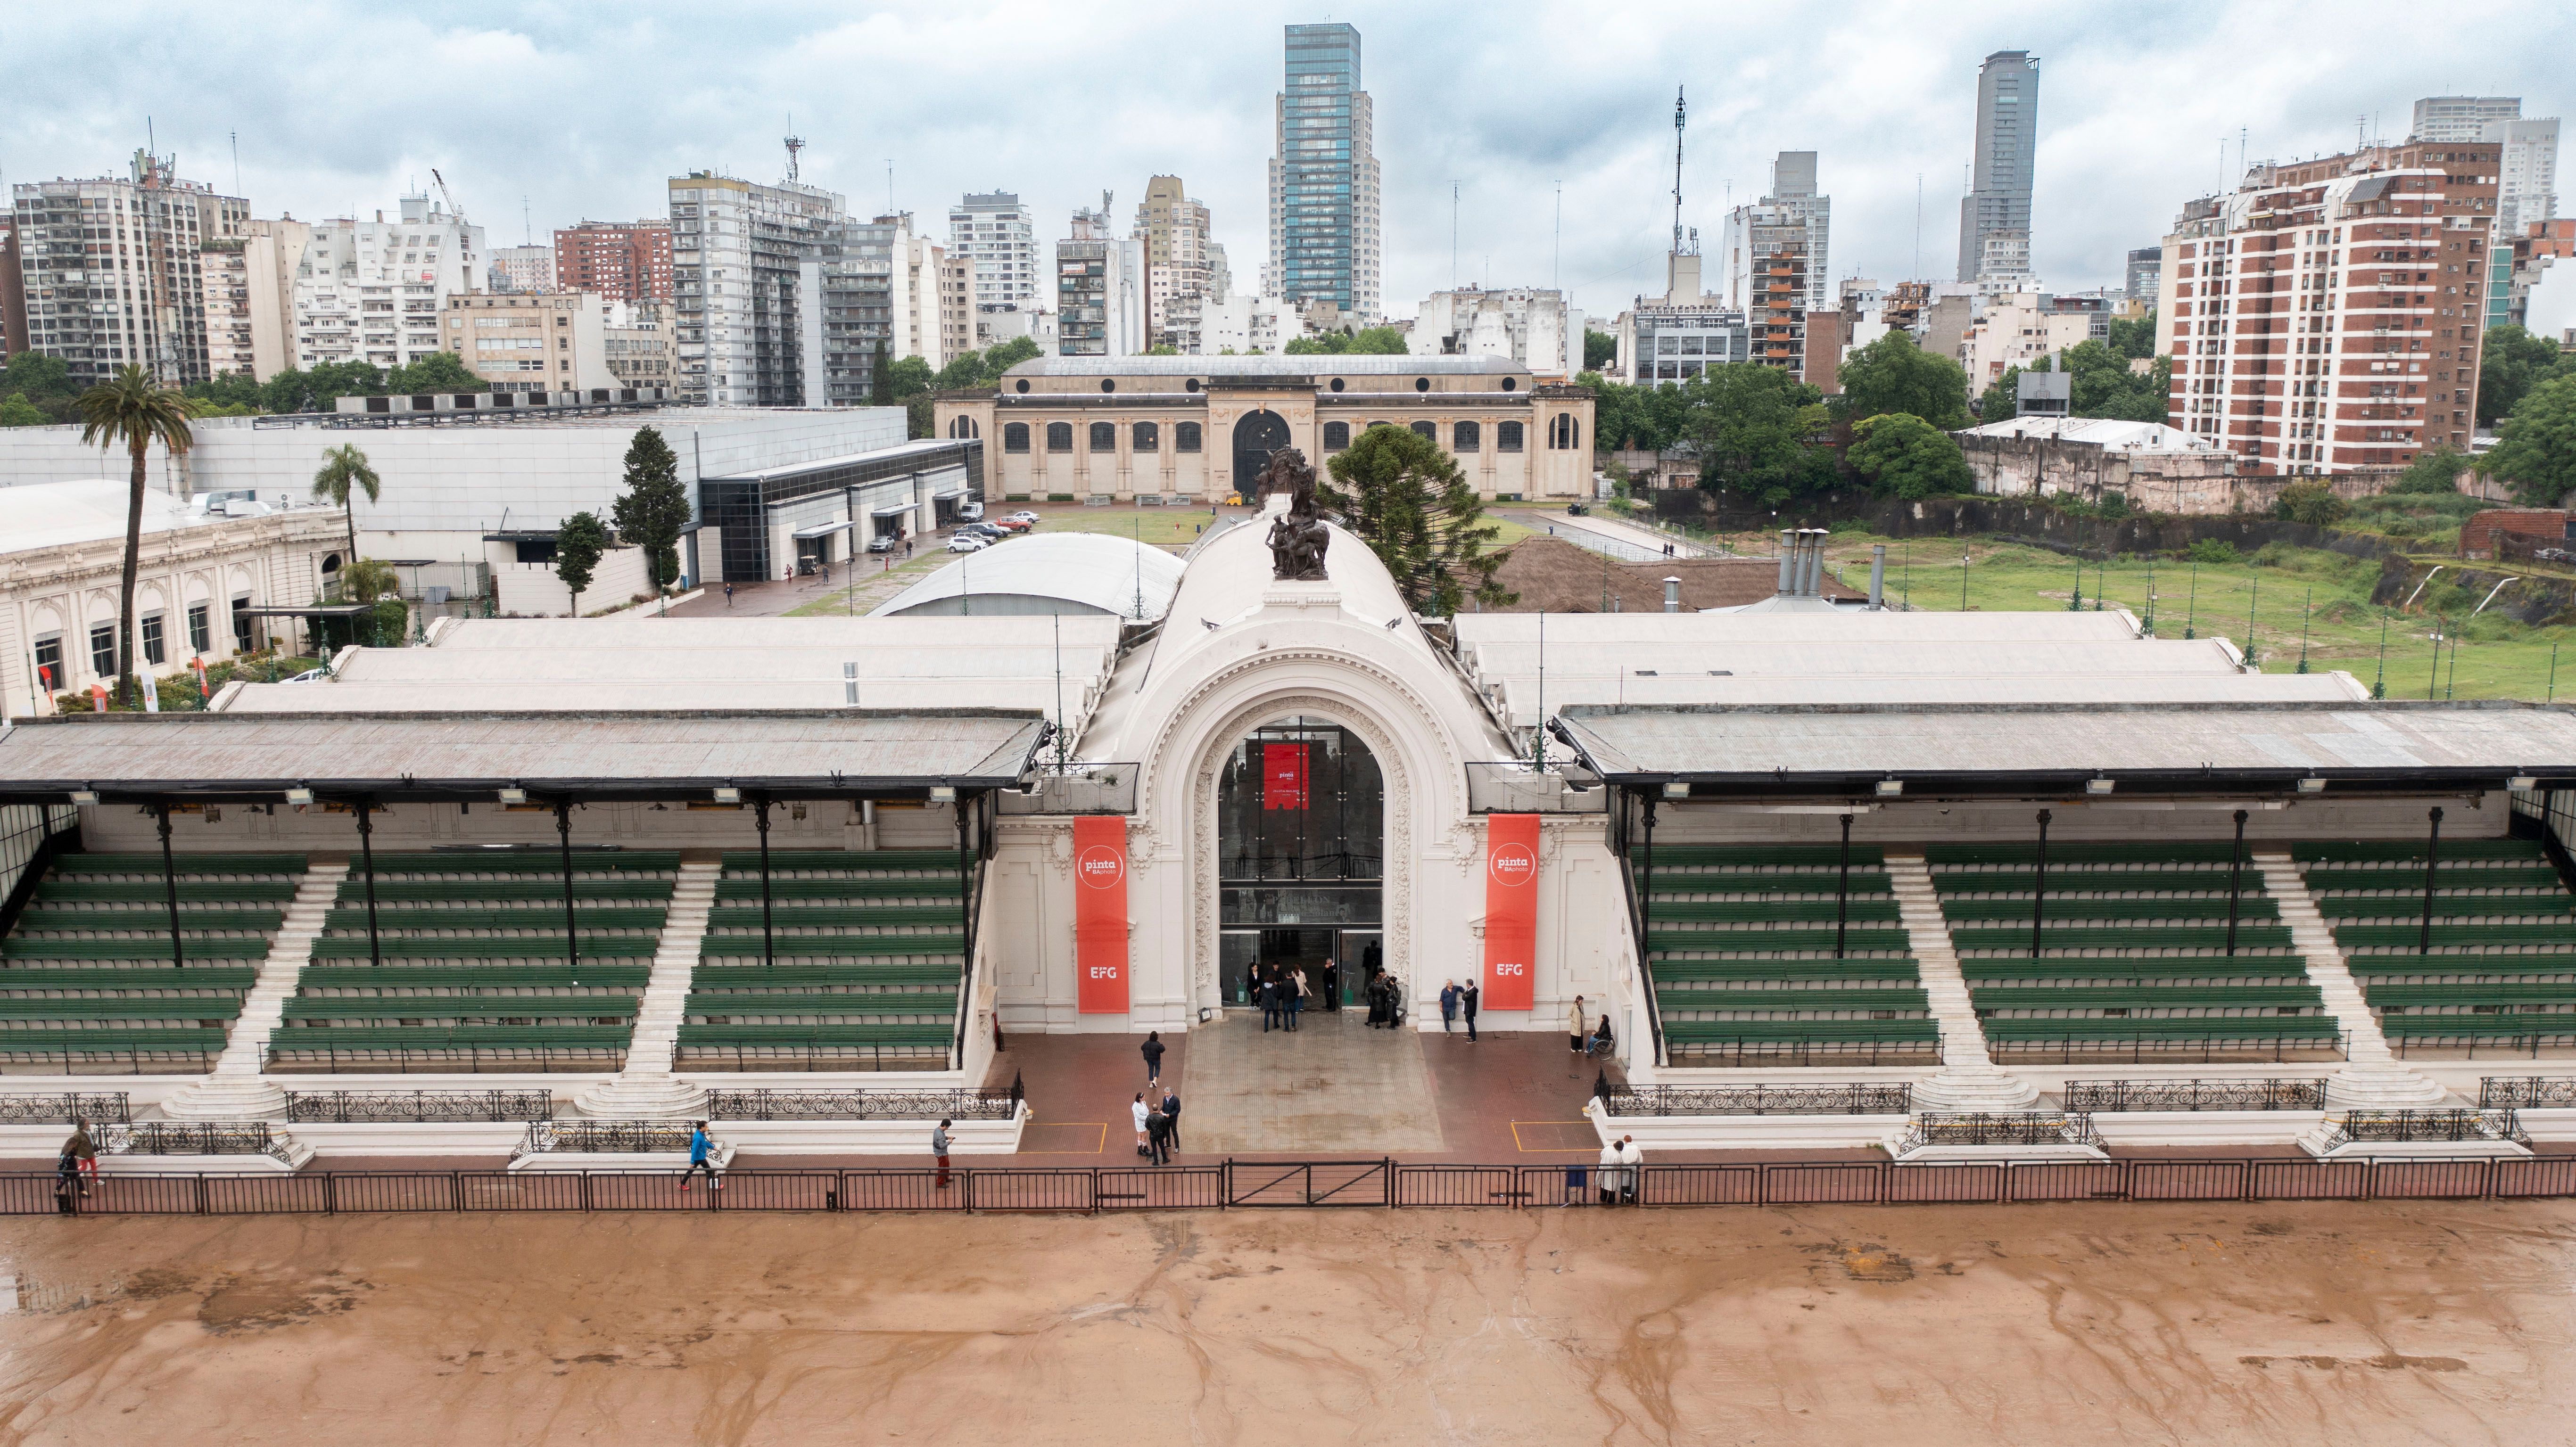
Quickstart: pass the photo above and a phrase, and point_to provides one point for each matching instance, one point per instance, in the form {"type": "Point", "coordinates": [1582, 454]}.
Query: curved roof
{"type": "Point", "coordinates": [1094, 569]}
{"type": "Point", "coordinates": [2102, 431]}
{"type": "Point", "coordinates": [1348, 364]}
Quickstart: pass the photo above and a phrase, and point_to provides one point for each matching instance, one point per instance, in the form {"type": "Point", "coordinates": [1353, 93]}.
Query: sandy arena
{"type": "Point", "coordinates": [2079, 1324]}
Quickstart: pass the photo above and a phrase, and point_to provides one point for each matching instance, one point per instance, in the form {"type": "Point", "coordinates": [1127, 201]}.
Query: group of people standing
{"type": "Point", "coordinates": [1457, 1000]}
{"type": "Point", "coordinates": [1283, 990]}
{"type": "Point", "coordinates": [1158, 1123]}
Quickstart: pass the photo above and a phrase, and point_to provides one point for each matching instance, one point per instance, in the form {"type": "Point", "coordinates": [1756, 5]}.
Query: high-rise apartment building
{"type": "Point", "coordinates": [1998, 198]}
{"type": "Point", "coordinates": [999, 237]}
{"type": "Point", "coordinates": [619, 260]}
{"type": "Point", "coordinates": [1532, 327]}
{"type": "Point", "coordinates": [113, 269]}
{"type": "Point", "coordinates": [738, 249]}
{"type": "Point", "coordinates": [868, 291]}
{"type": "Point", "coordinates": [2326, 315]}
{"type": "Point", "coordinates": [956, 307]}
{"type": "Point", "coordinates": [521, 270]}
{"type": "Point", "coordinates": [13, 292]}
{"type": "Point", "coordinates": [1324, 198]}
{"type": "Point", "coordinates": [1793, 189]}
{"type": "Point", "coordinates": [1102, 288]}
{"type": "Point", "coordinates": [559, 341]}
{"type": "Point", "coordinates": [1175, 230]}
{"type": "Point", "coordinates": [1771, 278]}
{"type": "Point", "coordinates": [2526, 174]}
{"type": "Point", "coordinates": [371, 291]}
{"type": "Point", "coordinates": [2146, 270]}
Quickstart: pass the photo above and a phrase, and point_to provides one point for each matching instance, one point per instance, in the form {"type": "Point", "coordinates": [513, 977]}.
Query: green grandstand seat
{"type": "Point", "coordinates": [2197, 909]}
{"type": "Point", "coordinates": [29, 982]}
{"type": "Point", "coordinates": [596, 917]}
{"type": "Point", "coordinates": [1721, 999]}
{"type": "Point", "coordinates": [482, 947]}
{"type": "Point", "coordinates": [193, 919]}
{"type": "Point", "coordinates": [810, 975]}
{"type": "Point", "coordinates": [477, 1009]}
{"type": "Point", "coordinates": [755, 1007]}
{"type": "Point", "coordinates": [2207, 969]}
{"type": "Point", "coordinates": [2010, 1001]}
{"type": "Point", "coordinates": [415, 890]}
{"type": "Point", "coordinates": [592, 978]}
{"type": "Point", "coordinates": [140, 947]}
{"type": "Point", "coordinates": [2025, 1028]}
{"type": "Point", "coordinates": [2471, 996]}
{"type": "Point", "coordinates": [1668, 971]}
{"type": "Point", "coordinates": [2195, 938]}
{"type": "Point", "coordinates": [183, 865]}
{"type": "Point", "coordinates": [2454, 852]}
{"type": "Point", "coordinates": [2432, 968]}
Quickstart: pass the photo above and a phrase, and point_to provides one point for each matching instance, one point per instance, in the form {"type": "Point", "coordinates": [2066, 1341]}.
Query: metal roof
{"type": "Point", "coordinates": [821, 753]}
{"type": "Point", "coordinates": [924, 447]}
{"type": "Point", "coordinates": [2056, 747]}
{"type": "Point", "coordinates": [1097, 570]}
{"type": "Point", "coordinates": [1348, 364]}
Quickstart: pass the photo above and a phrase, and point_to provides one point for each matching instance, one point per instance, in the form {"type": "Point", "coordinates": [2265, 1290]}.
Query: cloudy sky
{"type": "Point", "coordinates": [559, 112]}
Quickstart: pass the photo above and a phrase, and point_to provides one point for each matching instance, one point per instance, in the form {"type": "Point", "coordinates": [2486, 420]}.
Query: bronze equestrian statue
{"type": "Point", "coordinates": [1298, 536]}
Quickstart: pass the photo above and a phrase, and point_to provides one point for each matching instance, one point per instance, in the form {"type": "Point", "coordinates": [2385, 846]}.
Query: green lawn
{"type": "Point", "coordinates": [2324, 595]}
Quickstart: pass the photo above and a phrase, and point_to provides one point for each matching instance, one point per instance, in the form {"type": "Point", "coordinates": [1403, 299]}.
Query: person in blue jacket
{"type": "Point", "coordinates": [700, 1147]}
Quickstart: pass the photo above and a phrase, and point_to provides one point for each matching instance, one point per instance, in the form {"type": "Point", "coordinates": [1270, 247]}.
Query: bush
{"type": "Point", "coordinates": [2274, 555]}
{"type": "Point", "coordinates": [2114, 505]}
{"type": "Point", "coordinates": [2313, 503]}
{"type": "Point", "coordinates": [2212, 550]}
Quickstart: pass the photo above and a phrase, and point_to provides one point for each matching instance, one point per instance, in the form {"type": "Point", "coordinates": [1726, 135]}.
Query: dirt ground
{"type": "Point", "coordinates": [2080, 1324]}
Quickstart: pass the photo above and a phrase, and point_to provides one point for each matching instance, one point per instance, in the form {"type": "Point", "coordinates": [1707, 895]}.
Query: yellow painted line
{"type": "Point", "coordinates": [1530, 1150]}
{"type": "Point", "coordinates": [1099, 1144]}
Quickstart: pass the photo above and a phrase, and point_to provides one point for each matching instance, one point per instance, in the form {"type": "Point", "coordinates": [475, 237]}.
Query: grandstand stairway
{"type": "Point", "coordinates": [2371, 1076]}
{"type": "Point", "coordinates": [646, 1088]}
{"type": "Point", "coordinates": [236, 1089]}
{"type": "Point", "coordinates": [1968, 1079]}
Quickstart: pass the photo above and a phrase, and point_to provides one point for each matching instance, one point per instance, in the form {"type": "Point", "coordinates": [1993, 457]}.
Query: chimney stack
{"type": "Point", "coordinates": [1672, 595]}
{"type": "Point", "coordinates": [1788, 563]}
{"type": "Point", "coordinates": [1878, 576]}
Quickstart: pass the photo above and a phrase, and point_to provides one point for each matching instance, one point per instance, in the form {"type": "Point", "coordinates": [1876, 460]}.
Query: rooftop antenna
{"type": "Point", "coordinates": [1917, 273]}
{"type": "Point", "coordinates": [1539, 759]}
{"type": "Point", "coordinates": [1681, 116]}
{"type": "Point", "coordinates": [889, 185]}
{"type": "Point", "coordinates": [527, 222]}
{"type": "Point", "coordinates": [236, 140]}
{"type": "Point", "coordinates": [795, 143]}
{"type": "Point", "coordinates": [1453, 235]}
{"type": "Point", "coordinates": [1556, 258]}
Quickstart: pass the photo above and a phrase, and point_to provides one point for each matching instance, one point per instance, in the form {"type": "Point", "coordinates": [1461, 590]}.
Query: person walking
{"type": "Point", "coordinates": [1158, 1138]}
{"type": "Point", "coordinates": [66, 1178]}
{"type": "Point", "coordinates": [701, 1151]}
{"type": "Point", "coordinates": [939, 1150]}
{"type": "Point", "coordinates": [728, 595]}
{"type": "Point", "coordinates": [1153, 1051]}
{"type": "Point", "coordinates": [1298, 990]}
{"type": "Point", "coordinates": [1332, 986]}
{"type": "Point", "coordinates": [1449, 1005]}
{"type": "Point", "coordinates": [1268, 994]}
{"type": "Point", "coordinates": [1140, 1112]}
{"type": "Point", "coordinates": [1468, 999]}
{"type": "Point", "coordinates": [1172, 1114]}
{"type": "Point", "coordinates": [83, 1151]}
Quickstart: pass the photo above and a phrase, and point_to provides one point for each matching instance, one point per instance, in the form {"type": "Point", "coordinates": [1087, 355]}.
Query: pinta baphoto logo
{"type": "Point", "coordinates": [1513, 864]}
{"type": "Point", "coordinates": [1100, 867]}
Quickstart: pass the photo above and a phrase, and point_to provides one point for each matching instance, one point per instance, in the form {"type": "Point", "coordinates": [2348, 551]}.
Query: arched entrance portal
{"type": "Point", "coordinates": [1301, 857]}
{"type": "Point", "coordinates": [1257, 436]}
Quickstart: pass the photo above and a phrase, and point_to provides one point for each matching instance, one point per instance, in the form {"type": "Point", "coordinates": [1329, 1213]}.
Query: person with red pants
{"type": "Point", "coordinates": [939, 1148]}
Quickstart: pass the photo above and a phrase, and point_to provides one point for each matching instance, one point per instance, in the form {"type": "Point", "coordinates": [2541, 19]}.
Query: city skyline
{"type": "Point", "coordinates": [1058, 107]}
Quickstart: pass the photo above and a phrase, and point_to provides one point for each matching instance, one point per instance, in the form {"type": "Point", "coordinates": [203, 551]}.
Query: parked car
{"type": "Point", "coordinates": [970, 511]}
{"type": "Point", "coordinates": [885, 542]}
{"type": "Point", "coordinates": [310, 675]}
{"type": "Point", "coordinates": [990, 532]}
{"type": "Point", "coordinates": [1023, 516]}
{"type": "Point", "coordinates": [1576, 510]}
{"type": "Point", "coordinates": [1014, 525]}
{"type": "Point", "coordinates": [967, 543]}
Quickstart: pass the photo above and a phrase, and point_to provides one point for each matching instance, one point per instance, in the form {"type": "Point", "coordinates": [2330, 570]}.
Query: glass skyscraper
{"type": "Point", "coordinates": [1324, 178]}
{"type": "Point", "coordinates": [1994, 217]}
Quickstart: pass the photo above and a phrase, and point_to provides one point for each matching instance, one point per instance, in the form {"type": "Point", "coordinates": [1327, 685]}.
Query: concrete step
{"type": "Point", "coordinates": [2372, 1075]}
{"type": "Point", "coordinates": [1968, 1079]}
{"type": "Point", "coordinates": [235, 1089]}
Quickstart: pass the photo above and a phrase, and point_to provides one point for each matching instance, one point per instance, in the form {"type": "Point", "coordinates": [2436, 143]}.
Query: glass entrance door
{"type": "Point", "coordinates": [1300, 838]}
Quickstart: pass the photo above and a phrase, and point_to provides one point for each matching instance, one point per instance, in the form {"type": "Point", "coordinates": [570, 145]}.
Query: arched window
{"type": "Point", "coordinates": [1507, 437]}
{"type": "Point", "coordinates": [1337, 435]}
{"type": "Point", "coordinates": [963, 427]}
{"type": "Point", "coordinates": [1146, 437]}
{"type": "Point", "coordinates": [1185, 437]}
{"type": "Point", "coordinates": [1059, 437]}
{"type": "Point", "coordinates": [1564, 433]}
{"type": "Point", "coordinates": [1015, 437]}
{"type": "Point", "coordinates": [1427, 431]}
{"type": "Point", "coordinates": [1466, 437]}
{"type": "Point", "coordinates": [1104, 437]}
{"type": "Point", "coordinates": [1381, 422]}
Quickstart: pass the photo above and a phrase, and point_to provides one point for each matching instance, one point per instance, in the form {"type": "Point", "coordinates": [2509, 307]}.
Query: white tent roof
{"type": "Point", "coordinates": [55, 514]}
{"type": "Point", "coordinates": [2100, 431]}
{"type": "Point", "coordinates": [1097, 570]}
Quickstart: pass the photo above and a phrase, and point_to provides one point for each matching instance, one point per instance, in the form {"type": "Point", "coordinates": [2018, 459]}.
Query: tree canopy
{"type": "Point", "coordinates": [1904, 456]}
{"type": "Point", "coordinates": [1405, 497]}
{"type": "Point", "coordinates": [1895, 374]}
{"type": "Point", "coordinates": [578, 546]}
{"type": "Point", "coordinates": [1600, 349]}
{"type": "Point", "coordinates": [2535, 450]}
{"type": "Point", "coordinates": [2134, 338]}
{"type": "Point", "coordinates": [2103, 385]}
{"type": "Point", "coordinates": [2511, 362]}
{"type": "Point", "coordinates": [1367, 341]}
{"type": "Point", "coordinates": [1757, 430]}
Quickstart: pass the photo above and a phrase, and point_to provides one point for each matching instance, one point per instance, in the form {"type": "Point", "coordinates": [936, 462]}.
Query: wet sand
{"type": "Point", "coordinates": [2029, 1324]}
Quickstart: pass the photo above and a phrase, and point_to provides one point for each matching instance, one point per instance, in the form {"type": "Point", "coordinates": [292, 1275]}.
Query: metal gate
{"type": "Point", "coordinates": [1310, 1183]}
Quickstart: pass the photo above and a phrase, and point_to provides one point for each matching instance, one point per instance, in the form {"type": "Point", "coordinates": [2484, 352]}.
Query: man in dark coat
{"type": "Point", "coordinates": [1467, 1003]}
{"type": "Point", "coordinates": [1172, 1114]}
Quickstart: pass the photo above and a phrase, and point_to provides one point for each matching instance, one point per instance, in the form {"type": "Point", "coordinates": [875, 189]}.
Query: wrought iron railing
{"type": "Point", "coordinates": [861, 1104]}
{"type": "Point", "coordinates": [191, 1138]}
{"type": "Point", "coordinates": [104, 1108]}
{"type": "Point", "coordinates": [2123, 1095]}
{"type": "Point", "coordinates": [622, 1136]}
{"type": "Point", "coordinates": [2393, 1127]}
{"type": "Point", "coordinates": [2528, 1092]}
{"type": "Point", "coordinates": [2005, 1128]}
{"type": "Point", "coordinates": [342, 1107]}
{"type": "Point", "coordinates": [1854, 1098]}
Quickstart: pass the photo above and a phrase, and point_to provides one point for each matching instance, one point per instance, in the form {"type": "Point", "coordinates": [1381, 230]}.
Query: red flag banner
{"type": "Point", "coordinates": [1100, 913]}
{"type": "Point", "coordinates": [1511, 910]}
{"type": "Point", "coordinates": [1283, 776]}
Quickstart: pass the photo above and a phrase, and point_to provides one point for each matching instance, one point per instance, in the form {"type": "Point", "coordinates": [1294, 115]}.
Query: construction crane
{"type": "Point", "coordinates": [447, 196]}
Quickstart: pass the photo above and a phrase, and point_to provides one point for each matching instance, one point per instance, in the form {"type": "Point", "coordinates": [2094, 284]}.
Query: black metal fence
{"type": "Point", "coordinates": [97, 1108]}
{"type": "Point", "coordinates": [1379, 1184]}
{"type": "Point", "coordinates": [2122, 1095]}
{"type": "Point", "coordinates": [862, 1104]}
{"type": "Point", "coordinates": [365, 1106]}
{"type": "Point", "coordinates": [1877, 1097]}
{"type": "Point", "coordinates": [2527, 1092]}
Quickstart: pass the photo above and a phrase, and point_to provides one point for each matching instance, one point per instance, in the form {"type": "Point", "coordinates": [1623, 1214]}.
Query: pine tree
{"type": "Point", "coordinates": [1404, 497]}
{"type": "Point", "coordinates": [655, 506]}
{"type": "Point", "coordinates": [578, 544]}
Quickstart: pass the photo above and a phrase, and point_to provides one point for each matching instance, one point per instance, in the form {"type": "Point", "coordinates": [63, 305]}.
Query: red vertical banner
{"type": "Point", "coordinates": [1511, 910]}
{"type": "Point", "coordinates": [1100, 913]}
{"type": "Point", "coordinates": [1283, 776]}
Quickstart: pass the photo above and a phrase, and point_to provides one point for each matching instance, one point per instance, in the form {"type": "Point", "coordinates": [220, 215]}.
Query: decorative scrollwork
{"type": "Point", "coordinates": [1854, 1098]}
{"type": "Point", "coordinates": [2124, 1095]}
{"type": "Point", "coordinates": [369, 1106]}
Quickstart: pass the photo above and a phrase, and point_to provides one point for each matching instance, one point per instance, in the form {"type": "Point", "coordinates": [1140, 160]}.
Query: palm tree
{"type": "Point", "coordinates": [345, 470]}
{"type": "Point", "coordinates": [133, 408]}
